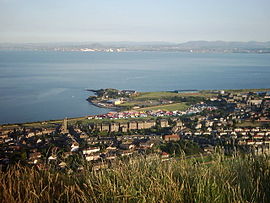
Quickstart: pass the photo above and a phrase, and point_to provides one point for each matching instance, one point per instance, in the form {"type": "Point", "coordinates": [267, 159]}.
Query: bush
{"type": "Point", "coordinates": [177, 148]}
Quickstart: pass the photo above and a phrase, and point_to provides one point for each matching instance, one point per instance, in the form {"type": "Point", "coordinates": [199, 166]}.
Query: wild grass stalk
{"type": "Point", "coordinates": [236, 179]}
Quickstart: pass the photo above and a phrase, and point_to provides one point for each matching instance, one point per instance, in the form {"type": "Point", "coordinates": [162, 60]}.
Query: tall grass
{"type": "Point", "coordinates": [238, 179]}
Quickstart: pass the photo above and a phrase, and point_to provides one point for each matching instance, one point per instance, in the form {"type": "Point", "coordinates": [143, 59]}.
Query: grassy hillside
{"type": "Point", "coordinates": [238, 179]}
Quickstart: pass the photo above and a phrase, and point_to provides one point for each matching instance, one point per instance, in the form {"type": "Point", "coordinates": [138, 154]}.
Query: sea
{"type": "Point", "coordinates": [48, 85]}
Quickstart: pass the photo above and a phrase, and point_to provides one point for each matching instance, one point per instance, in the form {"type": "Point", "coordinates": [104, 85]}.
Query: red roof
{"type": "Point", "coordinates": [171, 136]}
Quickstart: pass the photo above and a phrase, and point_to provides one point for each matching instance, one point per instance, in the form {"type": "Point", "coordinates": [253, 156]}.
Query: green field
{"type": "Point", "coordinates": [237, 90]}
{"type": "Point", "coordinates": [42, 124]}
{"type": "Point", "coordinates": [248, 90]}
{"type": "Point", "coordinates": [164, 95]}
{"type": "Point", "coordinates": [152, 100]}
{"type": "Point", "coordinates": [167, 107]}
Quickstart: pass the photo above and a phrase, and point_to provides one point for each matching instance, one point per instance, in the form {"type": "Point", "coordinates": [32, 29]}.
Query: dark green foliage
{"type": "Point", "coordinates": [177, 148]}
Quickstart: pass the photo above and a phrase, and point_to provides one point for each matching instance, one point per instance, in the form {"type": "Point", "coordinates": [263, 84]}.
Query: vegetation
{"type": "Point", "coordinates": [164, 95]}
{"type": "Point", "coordinates": [177, 148]}
{"type": "Point", "coordinates": [236, 90]}
{"type": "Point", "coordinates": [249, 124]}
{"type": "Point", "coordinates": [154, 100]}
{"type": "Point", "coordinates": [167, 107]}
{"type": "Point", "coordinates": [248, 90]}
{"type": "Point", "coordinates": [109, 92]}
{"type": "Point", "coordinates": [238, 179]}
{"type": "Point", "coordinates": [42, 124]}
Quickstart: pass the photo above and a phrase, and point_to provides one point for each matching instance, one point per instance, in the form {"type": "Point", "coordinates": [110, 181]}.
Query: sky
{"type": "Point", "coordinates": [31, 21]}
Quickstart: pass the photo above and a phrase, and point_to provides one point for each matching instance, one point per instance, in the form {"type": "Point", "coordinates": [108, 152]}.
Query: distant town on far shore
{"type": "Point", "coordinates": [192, 46]}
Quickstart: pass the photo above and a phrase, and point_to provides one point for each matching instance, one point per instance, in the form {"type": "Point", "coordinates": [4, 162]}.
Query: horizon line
{"type": "Point", "coordinates": [126, 41]}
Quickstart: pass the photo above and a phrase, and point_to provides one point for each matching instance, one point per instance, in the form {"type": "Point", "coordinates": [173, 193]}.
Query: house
{"type": "Point", "coordinates": [99, 166]}
{"type": "Point", "coordinates": [179, 123]}
{"type": "Point", "coordinates": [109, 156]}
{"type": "Point", "coordinates": [258, 136]}
{"type": "Point", "coordinates": [128, 92]}
{"type": "Point", "coordinates": [98, 127]}
{"type": "Point", "coordinates": [133, 125]}
{"type": "Point", "coordinates": [91, 150]}
{"type": "Point", "coordinates": [255, 102]}
{"type": "Point", "coordinates": [173, 137]}
{"type": "Point", "coordinates": [62, 164]}
{"type": "Point", "coordinates": [83, 135]}
{"type": "Point", "coordinates": [127, 146]}
{"type": "Point", "coordinates": [34, 157]}
{"type": "Point", "coordinates": [208, 148]}
{"type": "Point", "coordinates": [47, 131]}
{"type": "Point", "coordinates": [126, 153]}
{"type": "Point", "coordinates": [124, 127]}
{"type": "Point", "coordinates": [115, 101]}
{"type": "Point", "coordinates": [105, 127]}
{"type": "Point", "coordinates": [259, 142]}
{"type": "Point", "coordinates": [146, 145]}
{"type": "Point", "coordinates": [250, 142]}
{"type": "Point", "coordinates": [140, 125]}
{"type": "Point", "coordinates": [74, 147]}
{"type": "Point", "coordinates": [164, 123]}
{"type": "Point", "coordinates": [52, 157]}
{"type": "Point", "coordinates": [114, 127]}
{"type": "Point", "coordinates": [92, 157]}
{"type": "Point", "coordinates": [111, 148]}
{"type": "Point", "coordinates": [148, 124]}
{"type": "Point", "coordinates": [30, 134]}
{"type": "Point", "coordinates": [198, 126]}
{"type": "Point", "coordinates": [164, 155]}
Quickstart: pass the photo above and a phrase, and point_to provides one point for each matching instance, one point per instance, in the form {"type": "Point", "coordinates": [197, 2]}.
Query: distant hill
{"type": "Point", "coordinates": [224, 44]}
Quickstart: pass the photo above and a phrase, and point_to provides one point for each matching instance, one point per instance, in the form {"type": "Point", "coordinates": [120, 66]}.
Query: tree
{"type": "Point", "coordinates": [180, 146]}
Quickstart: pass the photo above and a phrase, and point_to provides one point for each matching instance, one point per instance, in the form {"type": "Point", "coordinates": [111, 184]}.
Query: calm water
{"type": "Point", "coordinates": [50, 85]}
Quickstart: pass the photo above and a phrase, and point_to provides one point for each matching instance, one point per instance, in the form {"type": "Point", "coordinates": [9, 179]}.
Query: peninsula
{"type": "Point", "coordinates": [163, 136]}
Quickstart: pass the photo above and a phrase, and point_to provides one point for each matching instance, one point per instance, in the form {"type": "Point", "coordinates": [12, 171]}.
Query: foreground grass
{"type": "Point", "coordinates": [237, 179]}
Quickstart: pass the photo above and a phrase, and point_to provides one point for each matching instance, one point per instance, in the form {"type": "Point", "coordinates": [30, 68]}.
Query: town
{"type": "Point", "coordinates": [230, 121]}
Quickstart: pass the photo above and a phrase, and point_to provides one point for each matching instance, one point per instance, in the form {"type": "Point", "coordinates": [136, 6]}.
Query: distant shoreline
{"type": "Point", "coordinates": [191, 51]}
{"type": "Point", "coordinates": [190, 46]}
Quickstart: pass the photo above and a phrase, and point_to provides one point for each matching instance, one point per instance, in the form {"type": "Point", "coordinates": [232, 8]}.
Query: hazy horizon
{"type": "Point", "coordinates": [141, 42]}
{"type": "Point", "coordinates": [102, 21]}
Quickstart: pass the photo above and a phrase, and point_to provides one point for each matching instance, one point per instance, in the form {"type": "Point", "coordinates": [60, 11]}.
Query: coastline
{"type": "Point", "coordinates": [117, 109]}
{"type": "Point", "coordinates": [105, 107]}
{"type": "Point", "coordinates": [91, 100]}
